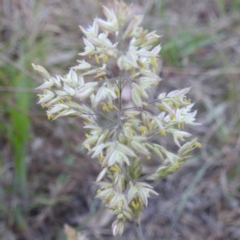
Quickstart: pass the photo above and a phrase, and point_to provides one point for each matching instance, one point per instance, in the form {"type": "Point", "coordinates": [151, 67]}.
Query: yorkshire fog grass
{"type": "Point", "coordinates": [200, 48]}
{"type": "Point", "coordinates": [125, 143]}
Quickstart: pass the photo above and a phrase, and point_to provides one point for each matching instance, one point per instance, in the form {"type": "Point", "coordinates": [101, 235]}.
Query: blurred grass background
{"type": "Point", "coordinates": [46, 178]}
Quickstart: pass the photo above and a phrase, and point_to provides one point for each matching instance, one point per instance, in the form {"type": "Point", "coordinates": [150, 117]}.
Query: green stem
{"type": "Point", "coordinates": [120, 91]}
{"type": "Point", "coordinates": [139, 230]}
{"type": "Point", "coordinates": [120, 40]}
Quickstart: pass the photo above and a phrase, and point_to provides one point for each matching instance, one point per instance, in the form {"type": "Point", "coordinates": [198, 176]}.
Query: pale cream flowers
{"type": "Point", "coordinates": [119, 53]}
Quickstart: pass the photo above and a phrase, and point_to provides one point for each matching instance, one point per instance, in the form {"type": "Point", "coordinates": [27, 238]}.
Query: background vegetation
{"type": "Point", "coordinates": [45, 176]}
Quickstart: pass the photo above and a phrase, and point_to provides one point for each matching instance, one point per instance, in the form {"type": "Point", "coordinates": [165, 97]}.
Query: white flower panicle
{"type": "Point", "coordinates": [120, 54]}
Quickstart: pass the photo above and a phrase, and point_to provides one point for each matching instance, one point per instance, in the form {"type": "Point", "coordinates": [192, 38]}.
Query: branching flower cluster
{"type": "Point", "coordinates": [121, 55]}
